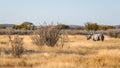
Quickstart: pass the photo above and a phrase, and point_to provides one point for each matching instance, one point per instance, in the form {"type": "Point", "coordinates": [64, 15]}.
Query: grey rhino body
{"type": "Point", "coordinates": [96, 37]}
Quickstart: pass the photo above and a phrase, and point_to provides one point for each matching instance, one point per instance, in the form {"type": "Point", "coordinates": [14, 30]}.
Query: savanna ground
{"type": "Point", "coordinates": [76, 53]}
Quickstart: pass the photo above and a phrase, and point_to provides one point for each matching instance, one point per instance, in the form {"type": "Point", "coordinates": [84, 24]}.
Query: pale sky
{"type": "Point", "coordinates": [71, 12]}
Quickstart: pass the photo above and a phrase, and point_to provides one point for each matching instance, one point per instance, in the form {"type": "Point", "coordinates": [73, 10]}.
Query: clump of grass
{"type": "Point", "coordinates": [102, 59]}
{"type": "Point", "coordinates": [14, 62]}
{"type": "Point", "coordinates": [21, 63]}
{"type": "Point", "coordinates": [6, 64]}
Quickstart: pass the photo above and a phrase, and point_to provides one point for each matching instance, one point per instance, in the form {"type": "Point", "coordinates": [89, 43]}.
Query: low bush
{"type": "Point", "coordinates": [47, 35]}
{"type": "Point", "coordinates": [16, 44]}
{"type": "Point", "coordinates": [115, 33]}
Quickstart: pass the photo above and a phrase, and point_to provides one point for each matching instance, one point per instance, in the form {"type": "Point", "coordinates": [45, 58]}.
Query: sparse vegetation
{"type": "Point", "coordinates": [76, 53]}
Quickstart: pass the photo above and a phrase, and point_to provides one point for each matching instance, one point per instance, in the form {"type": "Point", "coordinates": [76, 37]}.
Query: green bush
{"type": "Point", "coordinates": [25, 26]}
{"type": "Point", "coordinates": [91, 26]}
{"type": "Point", "coordinates": [62, 26]}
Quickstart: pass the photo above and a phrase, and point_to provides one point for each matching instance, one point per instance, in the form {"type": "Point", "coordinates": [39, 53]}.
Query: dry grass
{"type": "Point", "coordinates": [77, 53]}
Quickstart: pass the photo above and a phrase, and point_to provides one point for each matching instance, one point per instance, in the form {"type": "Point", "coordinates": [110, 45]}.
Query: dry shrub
{"type": "Point", "coordinates": [16, 44]}
{"type": "Point", "coordinates": [47, 35]}
{"type": "Point", "coordinates": [0, 52]}
{"type": "Point", "coordinates": [115, 33]}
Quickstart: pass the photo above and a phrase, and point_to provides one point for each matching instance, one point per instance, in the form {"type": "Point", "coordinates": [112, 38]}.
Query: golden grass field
{"type": "Point", "coordinates": [76, 53]}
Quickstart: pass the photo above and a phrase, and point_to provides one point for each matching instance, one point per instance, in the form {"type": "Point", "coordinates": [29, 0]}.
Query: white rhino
{"type": "Point", "coordinates": [96, 37]}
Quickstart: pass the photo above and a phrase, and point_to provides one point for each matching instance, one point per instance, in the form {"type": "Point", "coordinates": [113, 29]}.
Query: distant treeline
{"type": "Point", "coordinates": [28, 28]}
{"type": "Point", "coordinates": [87, 26]}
